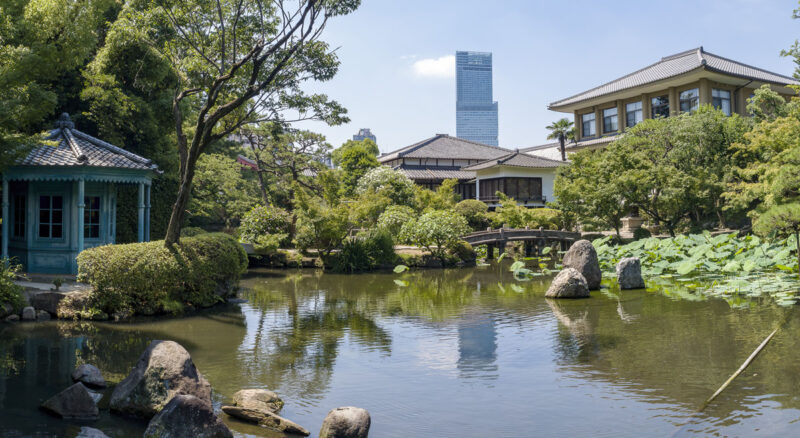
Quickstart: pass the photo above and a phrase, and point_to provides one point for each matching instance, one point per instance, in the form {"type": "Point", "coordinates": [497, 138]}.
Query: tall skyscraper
{"type": "Point", "coordinates": [363, 134]}
{"type": "Point", "coordinates": [476, 112]}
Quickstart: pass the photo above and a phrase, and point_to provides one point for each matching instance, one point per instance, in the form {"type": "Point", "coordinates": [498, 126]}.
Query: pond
{"type": "Point", "coordinates": [456, 353]}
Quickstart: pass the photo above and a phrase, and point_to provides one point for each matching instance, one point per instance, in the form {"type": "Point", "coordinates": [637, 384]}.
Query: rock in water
{"type": "Point", "coordinates": [73, 403]}
{"type": "Point", "coordinates": [90, 432]}
{"type": "Point", "coordinates": [629, 273]}
{"type": "Point", "coordinates": [266, 419]}
{"type": "Point", "coordinates": [258, 399]}
{"type": "Point", "coordinates": [583, 257]}
{"type": "Point", "coordinates": [186, 416]}
{"type": "Point", "coordinates": [164, 370]}
{"type": "Point", "coordinates": [89, 375]}
{"type": "Point", "coordinates": [28, 314]}
{"type": "Point", "coordinates": [346, 422]}
{"type": "Point", "coordinates": [42, 315]}
{"type": "Point", "coordinates": [569, 283]}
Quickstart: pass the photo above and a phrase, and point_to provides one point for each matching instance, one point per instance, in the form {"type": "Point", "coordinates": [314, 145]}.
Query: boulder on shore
{"type": "Point", "coordinates": [163, 371]}
{"type": "Point", "coordinates": [89, 375]}
{"type": "Point", "coordinates": [186, 416]}
{"type": "Point", "coordinates": [258, 399]}
{"type": "Point", "coordinates": [266, 419]}
{"type": "Point", "coordinates": [42, 315]}
{"type": "Point", "coordinates": [346, 422]}
{"type": "Point", "coordinates": [583, 257]}
{"type": "Point", "coordinates": [28, 313]}
{"type": "Point", "coordinates": [90, 432]}
{"type": "Point", "coordinates": [569, 283]}
{"type": "Point", "coordinates": [73, 403]}
{"type": "Point", "coordinates": [629, 273]}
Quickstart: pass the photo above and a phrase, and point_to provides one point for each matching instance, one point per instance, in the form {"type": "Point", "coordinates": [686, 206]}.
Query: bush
{"type": "Point", "coordinates": [267, 228]}
{"type": "Point", "coordinates": [462, 250]}
{"type": "Point", "coordinates": [192, 231]}
{"type": "Point", "coordinates": [147, 278]}
{"type": "Point", "coordinates": [393, 218]}
{"type": "Point", "coordinates": [387, 182]}
{"type": "Point", "coordinates": [641, 233]}
{"type": "Point", "coordinates": [365, 252]}
{"type": "Point", "coordinates": [10, 292]}
{"type": "Point", "coordinates": [474, 212]}
{"type": "Point", "coordinates": [547, 218]}
{"type": "Point", "coordinates": [435, 231]}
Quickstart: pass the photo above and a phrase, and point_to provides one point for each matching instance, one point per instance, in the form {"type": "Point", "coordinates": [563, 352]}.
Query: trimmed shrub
{"type": "Point", "coordinates": [365, 252]}
{"type": "Point", "coordinates": [474, 212]}
{"type": "Point", "coordinates": [192, 231]}
{"type": "Point", "coordinates": [265, 226]}
{"type": "Point", "coordinates": [148, 278]}
{"type": "Point", "coordinates": [462, 250]}
{"type": "Point", "coordinates": [393, 218]}
{"type": "Point", "coordinates": [641, 233]}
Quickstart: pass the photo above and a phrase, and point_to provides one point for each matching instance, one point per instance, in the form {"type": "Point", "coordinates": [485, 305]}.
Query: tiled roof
{"type": "Point", "coordinates": [433, 173]}
{"type": "Point", "coordinates": [445, 146]}
{"type": "Point", "coordinates": [676, 65]}
{"type": "Point", "coordinates": [518, 159]}
{"type": "Point", "coordinates": [552, 151]}
{"type": "Point", "coordinates": [74, 148]}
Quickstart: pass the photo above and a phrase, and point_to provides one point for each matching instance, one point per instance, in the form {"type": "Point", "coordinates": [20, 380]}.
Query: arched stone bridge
{"type": "Point", "coordinates": [535, 239]}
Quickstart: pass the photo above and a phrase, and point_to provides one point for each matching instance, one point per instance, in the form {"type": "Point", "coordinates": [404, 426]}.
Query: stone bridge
{"type": "Point", "coordinates": [535, 239]}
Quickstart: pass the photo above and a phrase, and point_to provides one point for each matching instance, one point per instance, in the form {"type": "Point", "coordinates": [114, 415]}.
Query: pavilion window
{"type": "Point", "coordinates": [91, 217]}
{"type": "Point", "coordinates": [690, 100]}
{"type": "Point", "coordinates": [51, 217]}
{"type": "Point", "coordinates": [721, 99]}
{"type": "Point", "coordinates": [19, 216]}
{"type": "Point", "coordinates": [633, 114]}
{"type": "Point", "coordinates": [610, 120]}
{"type": "Point", "coordinates": [587, 125]}
{"type": "Point", "coordinates": [659, 107]}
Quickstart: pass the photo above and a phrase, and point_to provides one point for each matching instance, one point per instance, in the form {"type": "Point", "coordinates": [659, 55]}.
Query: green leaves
{"type": "Point", "coordinates": [399, 269]}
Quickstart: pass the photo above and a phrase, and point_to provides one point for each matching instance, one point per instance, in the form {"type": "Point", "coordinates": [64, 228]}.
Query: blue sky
{"type": "Point", "coordinates": [543, 51]}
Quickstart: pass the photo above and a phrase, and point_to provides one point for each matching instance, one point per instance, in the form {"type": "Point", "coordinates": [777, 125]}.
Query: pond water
{"type": "Point", "coordinates": [456, 353]}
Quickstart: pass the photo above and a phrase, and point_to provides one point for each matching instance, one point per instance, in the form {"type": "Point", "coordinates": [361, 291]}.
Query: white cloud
{"type": "Point", "coordinates": [444, 67]}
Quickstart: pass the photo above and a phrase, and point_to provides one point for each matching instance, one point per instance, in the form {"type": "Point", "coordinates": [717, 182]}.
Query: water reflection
{"type": "Point", "coordinates": [450, 342]}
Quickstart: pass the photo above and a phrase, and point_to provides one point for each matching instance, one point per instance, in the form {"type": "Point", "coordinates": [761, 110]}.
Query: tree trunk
{"type": "Point", "coordinates": [179, 208]}
{"type": "Point", "coordinates": [563, 148]}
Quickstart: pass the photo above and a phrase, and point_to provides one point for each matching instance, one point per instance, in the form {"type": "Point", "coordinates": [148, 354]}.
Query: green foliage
{"type": "Point", "coordinates": [192, 231]}
{"type": "Point", "coordinates": [10, 292]}
{"type": "Point", "coordinates": [463, 250]}
{"type": "Point", "coordinates": [365, 252]}
{"type": "Point", "coordinates": [139, 278]}
{"type": "Point", "coordinates": [389, 183]}
{"type": "Point", "coordinates": [354, 159]}
{"type": "Point", "coordinates": [641, 233]}
{"type": "Point", "coordinates": [393, 218]}
{"type": "Point", "coordinates": [514, 215]}
{"type": "Point", "coordinates": [444, 198]}
{"type": "Point", "coordinates": [320, 225]}
{"type": "Point", "coordinates": [435, 231]}
{"type": "Point", "coordinates": [561, 130]}
{"type": "Point", "coordinates": [781, 219]}
{"type": "Point", "coordinates": [474, 212]}
{"type": "Point", "coordinates": [267, 228]}
{"type": "Point", "coordinates": [221, 194]}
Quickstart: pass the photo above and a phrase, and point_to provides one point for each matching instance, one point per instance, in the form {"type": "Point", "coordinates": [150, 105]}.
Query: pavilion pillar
{"type": "Point", "coordinates": [141, 213]}
{"type": "Point", "coordinates": [5, 218]}
{"type": "Point", "coordinates": [147, 213]}
{"type": "Point", "coordinates": [81, 209]}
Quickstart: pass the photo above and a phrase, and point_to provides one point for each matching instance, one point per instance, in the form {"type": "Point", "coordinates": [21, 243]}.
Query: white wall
{"type": "Point", "coordinates": [548, 177]}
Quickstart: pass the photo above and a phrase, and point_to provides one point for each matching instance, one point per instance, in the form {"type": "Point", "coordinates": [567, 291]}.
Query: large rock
{"type": "Point", "coordinates": [186, 416]}
{"type": "Point", "coordinates": [346, 422]}
{"type": "Point", "coordinates": [258, 399]}
{"type": "Point", "coordinates": [73, 403]}
{"type": "Point", "coordinates": [266, 419]}
{"type": "Point", "coordinates": [629, 273]}
{"type": "Point", "coordinates": [89, 375]}
{"type": "Point", "coordinates": [583, 257]}
{"type": "Point", "coordinates": [42, 315]}
{"type": "Point", "coordinates": [48, 301]}
{"type": "Point", "coordinates": [90, 432]}
{"type": "Point", "coordinates": [28, 314]}
{"type": "Point", "coordinates": [164, 370]}
{"type": "Point", "coordinates": [569, 283]}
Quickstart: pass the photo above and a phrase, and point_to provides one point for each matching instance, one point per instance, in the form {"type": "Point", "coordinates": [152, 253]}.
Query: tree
{"type": "Point", "coordinates": [794, 50]}
{"type": "Point", "coordinates": [387, 182]}
{"type": "Point", "coordinates": [354, 159]}
{"type": "Point", "coordinates": [444, 198]}
{"type": "Point", "coordinates": [221, 194]}
{"type": "Point", "coordinates": [561, 130]}
{"type": "Point", "coordinates": [238, 62]}
{"type": "Point", "coordinates": [474, 212]}
{"type": "Point", "coordinates": [436, 231]}
{"type": "Point", "coordinates": [783, 219]}
{"type": "Point", "coordinates": [366, 143]}
{"type": "Point", "coordinates": [320, 225]}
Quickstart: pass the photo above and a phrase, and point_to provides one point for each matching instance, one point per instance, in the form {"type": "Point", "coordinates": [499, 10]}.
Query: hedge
{"type": "Point", "coordinates": [148, 278]}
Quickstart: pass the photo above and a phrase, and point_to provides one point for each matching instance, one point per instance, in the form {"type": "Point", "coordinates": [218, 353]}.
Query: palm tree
{"type": "Point", "coordinates": [562, 130]}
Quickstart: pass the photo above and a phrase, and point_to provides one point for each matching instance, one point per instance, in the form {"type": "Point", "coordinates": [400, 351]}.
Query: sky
{"type": "Point", "coordinates": [397, 73]}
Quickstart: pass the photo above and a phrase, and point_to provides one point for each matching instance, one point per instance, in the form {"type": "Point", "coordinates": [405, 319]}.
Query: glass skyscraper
{"type": "Point", "coordinates": [476, 112]}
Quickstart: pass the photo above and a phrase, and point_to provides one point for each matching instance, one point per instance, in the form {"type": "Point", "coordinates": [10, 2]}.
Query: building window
{"type": "Point", "coordinates": [721, 99]}
{"type": "Point", "coordinates": [19, 216]}
{"type": "Point", "coordinates": [521, 189]}
{"type": "Point", "coordinates": [51, 217]}
{"type": "Point", "coordinates": [633, 114]}
{"type": "Point", "coordinates": [659, 107]}
{"type": "Point", "coordinates": [690, 100]}
{"type": "Point", "coordinates": [587, 121]}
{"type": "Point", "coordinates": [91, 217]}
{"type": "Point", "coordinates": [610, 121]}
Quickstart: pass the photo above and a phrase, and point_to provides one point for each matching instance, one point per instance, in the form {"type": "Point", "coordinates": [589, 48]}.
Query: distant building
{"type": "Point", "coordinates": [365, 133]}
{"type": "Point", "coordinates": [476, 112]}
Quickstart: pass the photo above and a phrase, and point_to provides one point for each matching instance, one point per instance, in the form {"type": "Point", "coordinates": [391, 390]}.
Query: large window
{"type": "Point", "coordinates": [91, 217]}
{"type": "Point", "coordinates": [690, 100]}
{"type": "Point", "coordinates": [521, 189]}
{"type": "Point", "coordinates": [721, 99]}
{"type": "Point", "coordinates": [51, 217]}
{"type": "Point", "coordinates": [587, 121]}
{"type": "Point", "coordinates": [659, 107]}
{"type": "Point", "coordinates": [610, 120]}
{"type": "Point", "coordinates": [19, 216]}
{"type": "Point", "coordinates": [633, 114]}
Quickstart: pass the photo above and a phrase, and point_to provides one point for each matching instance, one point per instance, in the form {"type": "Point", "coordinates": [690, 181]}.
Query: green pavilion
{"type": "Point", "coordinates": [62, 198]}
